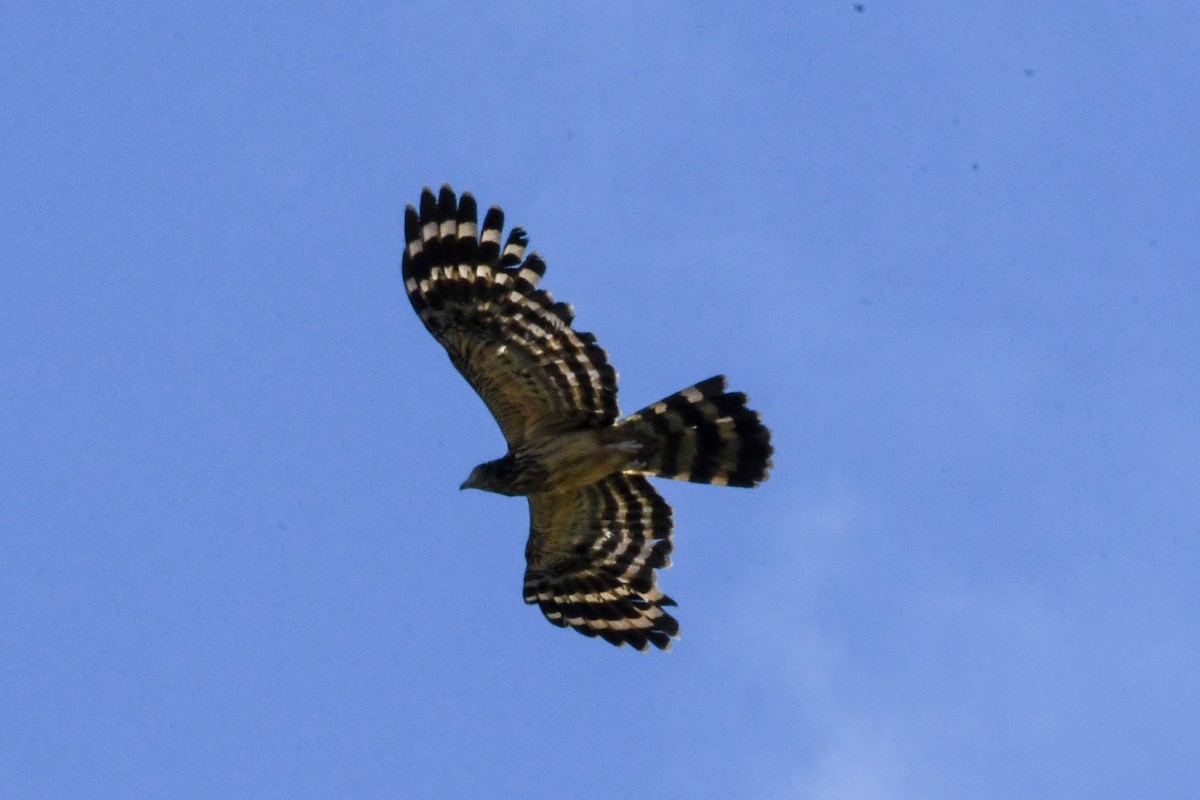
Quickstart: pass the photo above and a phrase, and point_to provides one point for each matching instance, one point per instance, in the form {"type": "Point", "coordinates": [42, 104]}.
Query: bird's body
{"type": "Point", "coordinates": [598, 529]}
{"type": "Point", "coordinates": [556, 463]}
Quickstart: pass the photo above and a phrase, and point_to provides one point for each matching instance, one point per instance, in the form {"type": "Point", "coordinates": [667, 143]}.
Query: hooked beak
{"type": "Point", "coordinates": [476, 480]}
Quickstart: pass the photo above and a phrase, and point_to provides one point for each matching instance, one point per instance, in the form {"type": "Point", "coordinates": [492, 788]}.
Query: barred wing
{"type": "Point", "coordinates": [591, 558]}
{"type": "Point", "coordinates": [509, 339]}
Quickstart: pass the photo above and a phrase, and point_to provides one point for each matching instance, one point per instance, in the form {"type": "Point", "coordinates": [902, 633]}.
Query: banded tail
{"type": "Point", "coordinates": [702, 434]}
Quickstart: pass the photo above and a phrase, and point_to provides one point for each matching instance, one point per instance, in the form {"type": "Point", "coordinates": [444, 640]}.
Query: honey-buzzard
{"type": "Point", "coordinates": [598, 529]}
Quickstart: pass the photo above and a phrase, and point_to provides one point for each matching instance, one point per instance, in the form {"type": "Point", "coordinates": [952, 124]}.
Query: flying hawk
{"type": "Point", "coordinates": [597, 528]}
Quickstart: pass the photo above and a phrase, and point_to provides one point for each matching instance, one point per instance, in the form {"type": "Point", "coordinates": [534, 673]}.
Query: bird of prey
{"type": "Point", "coordinates": [597, 528]}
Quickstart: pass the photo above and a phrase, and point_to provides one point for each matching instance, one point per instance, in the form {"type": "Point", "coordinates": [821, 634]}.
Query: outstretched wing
{"type": "Point", "coordinates": [509, 339]}
{"type": "Point", "coordinates": [591, 558]}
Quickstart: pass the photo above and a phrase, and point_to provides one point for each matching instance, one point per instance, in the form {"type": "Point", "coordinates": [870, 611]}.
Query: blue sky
{"type": "Point", "coordinates": [951, 251]}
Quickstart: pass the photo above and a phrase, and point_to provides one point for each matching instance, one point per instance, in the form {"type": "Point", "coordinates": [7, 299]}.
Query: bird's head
{"type": "Point", "coordinates": [493, 476]}
{"type": "Point", "coordinates": [477, 479]}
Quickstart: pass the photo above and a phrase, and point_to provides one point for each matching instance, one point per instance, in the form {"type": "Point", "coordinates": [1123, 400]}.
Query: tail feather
{"type": "Point", "coordinates": [702, 434]}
